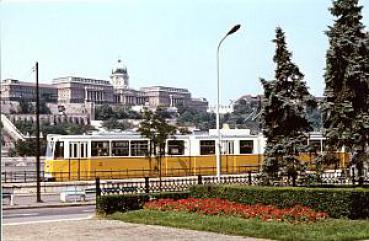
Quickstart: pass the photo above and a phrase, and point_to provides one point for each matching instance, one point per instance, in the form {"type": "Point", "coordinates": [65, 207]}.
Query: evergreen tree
{"type": "Point", "coordinates": [104, 112]}
{"type": "Point", "coordinates": [25, 107]}
{"type": "Point", "coordinates": [114, 123]}
{"type": "Point", "coordinates": [284, 117]}
{"type": "Point", "coordinates": [44, 109]}
{"type": "Point", "coordinates": [345, 112]}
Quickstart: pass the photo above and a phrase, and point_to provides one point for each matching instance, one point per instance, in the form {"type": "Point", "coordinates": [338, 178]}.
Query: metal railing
{"type": "Point", "coordinates": [151, 185]}
{"type": "Point", "coordinates": [244, 175]}
{"type": "Point", "coordinates": [30, 176]}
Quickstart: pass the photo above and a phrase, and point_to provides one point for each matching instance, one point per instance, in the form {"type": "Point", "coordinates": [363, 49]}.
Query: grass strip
{"type": "Point", "coordinates": [327, 230]}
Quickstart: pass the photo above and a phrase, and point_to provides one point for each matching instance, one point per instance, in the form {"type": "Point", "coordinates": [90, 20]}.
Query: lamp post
{"type": "Point", "coordinates": [38, 187]}
{"type": "Point", "coordinates": [218, 143]}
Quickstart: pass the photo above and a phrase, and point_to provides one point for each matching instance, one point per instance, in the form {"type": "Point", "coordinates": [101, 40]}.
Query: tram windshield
{"type": "Point", "coordinates": [59, 150]}
{"type": "Point", "coordinates": [50, 150]}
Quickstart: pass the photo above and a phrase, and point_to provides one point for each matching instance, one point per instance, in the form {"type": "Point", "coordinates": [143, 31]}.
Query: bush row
{"type": "Point", "coordinates": [337, 202]}
{"type": "Point", "coordinates": [122, 203]}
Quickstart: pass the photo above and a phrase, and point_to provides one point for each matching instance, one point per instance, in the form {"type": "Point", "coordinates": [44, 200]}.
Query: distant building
{"type": "Point", "coordinates": [166, 96]}
{"type": "Point", "coordinates": [255, 101]}
{"type": "Point", "coordinates": [72, 89]}
{"type": "Point", "coordinates": [200, 104]}
{"type": "Point", "coordinates": [223, 109]}
{"type": "Point", "coordinates": [173, 97]}
{"type": "Point", "coordinates": [79, 90]}
{"type": "Point", "coordinates": [252, 100]}
{"type": "Point", "coordinates": [122, 93]}
{"type": "Point", "coordinates": [152, 96]}
{"type": "Point", "coordinates": [15, 90]}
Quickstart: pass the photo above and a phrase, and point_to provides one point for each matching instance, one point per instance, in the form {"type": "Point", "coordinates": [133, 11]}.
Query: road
{"type": "Point", "coordinates": [23, 216]}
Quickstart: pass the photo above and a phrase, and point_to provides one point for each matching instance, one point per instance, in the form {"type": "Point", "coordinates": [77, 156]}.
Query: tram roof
{"type": "Point", "coordinates": [105, 136]}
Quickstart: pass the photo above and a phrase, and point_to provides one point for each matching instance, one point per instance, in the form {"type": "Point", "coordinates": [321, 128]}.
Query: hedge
{"type": "Point", "coordinates": [121, 203]}
{"type": "Point", "coordinates": [337, 202]}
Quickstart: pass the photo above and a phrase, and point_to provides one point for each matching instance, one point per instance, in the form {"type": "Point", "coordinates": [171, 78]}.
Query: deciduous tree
{"type": "Point", "coordinates": [155, 128]}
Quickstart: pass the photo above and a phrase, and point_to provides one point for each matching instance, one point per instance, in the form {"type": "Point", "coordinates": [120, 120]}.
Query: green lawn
{"type": "Point", "coordinates": [333, 229]}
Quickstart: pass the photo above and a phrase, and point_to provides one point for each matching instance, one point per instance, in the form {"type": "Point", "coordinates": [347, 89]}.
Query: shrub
{"type": "Point", "coordinates": [121, 203]}
{"type": "Point", "coordinates": [171, 195]}
{"type": "Point", "coordinates": [337, 202]}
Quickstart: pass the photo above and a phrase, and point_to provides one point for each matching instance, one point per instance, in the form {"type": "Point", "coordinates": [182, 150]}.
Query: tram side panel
{"type": "Point", "coordinates": [177, 166]}
{"type": "Point", "coordinates": [122, 167]}
{"type": "Point", "coordinates": [68, 169]}
{"type": "Point", "coordinates": [246, 163]}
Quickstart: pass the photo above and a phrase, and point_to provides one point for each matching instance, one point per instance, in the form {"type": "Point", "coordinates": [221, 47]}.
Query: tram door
{"type": "Point", "coordinates": [78, 153]}
{"type": "Point", "coordinates": [227, 155]}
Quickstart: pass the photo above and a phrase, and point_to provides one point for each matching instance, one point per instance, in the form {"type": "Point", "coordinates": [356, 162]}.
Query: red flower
{"type": "Point", "coordinates": [217, 206]}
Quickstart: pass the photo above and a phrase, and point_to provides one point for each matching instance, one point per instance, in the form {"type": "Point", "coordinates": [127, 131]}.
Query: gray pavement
{"type": "Point", "coordinates": [48, 200]}
{"type": "Point", "coordinates": [107, 230]}
{"type": "Point", "coordinates": [19, 216]}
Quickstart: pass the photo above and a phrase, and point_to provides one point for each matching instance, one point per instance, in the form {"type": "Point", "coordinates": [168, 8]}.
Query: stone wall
{"type": "Point", "coordinates": [52, 118]}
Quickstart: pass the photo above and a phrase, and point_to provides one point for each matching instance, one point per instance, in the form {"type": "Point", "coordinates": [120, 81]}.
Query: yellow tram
{"type": "Point", "coordinates": [84, 157]}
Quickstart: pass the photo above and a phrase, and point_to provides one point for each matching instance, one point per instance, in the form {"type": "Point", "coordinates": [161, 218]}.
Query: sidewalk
{"type": "Point", "coordinates": [108, 230]}
{"type": "Point", "coordinates": [23, 201]}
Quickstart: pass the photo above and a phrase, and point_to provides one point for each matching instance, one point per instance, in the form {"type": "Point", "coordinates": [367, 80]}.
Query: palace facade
{"type": "Point", "coordinates": [72, 89]}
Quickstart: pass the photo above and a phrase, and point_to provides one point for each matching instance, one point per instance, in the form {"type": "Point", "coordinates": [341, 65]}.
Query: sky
{"type": "Point", "coordinates": [165, 42]}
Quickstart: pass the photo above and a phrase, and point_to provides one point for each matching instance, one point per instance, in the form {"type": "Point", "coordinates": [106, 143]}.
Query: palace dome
{"type": "Point", "coordinates": [120, 68]}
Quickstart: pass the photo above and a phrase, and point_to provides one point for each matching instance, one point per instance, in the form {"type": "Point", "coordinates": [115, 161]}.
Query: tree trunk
{"type": "Point", "coordinates": [160, 152]}
{"type": "Point", "coordinates": [360, 168]}
{"type": "Point", "coordinates": [294, 180]}
{"type": "Point", "coordinates": [358, 158]}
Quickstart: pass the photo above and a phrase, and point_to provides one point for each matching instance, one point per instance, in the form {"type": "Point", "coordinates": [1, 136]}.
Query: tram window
{"type": "Point", "coordinates": [227, 147]}
{"type": "Point", "coordinates": [120, 148]}
{"type": "Point", "coordinates": [84, 149]}
{"type": "Point", "coordinates": [246, 146]}
{"type": "Point", "coordinates": [175, 147]}
{"type": "Point", "coordinates": [316, 145]}
{"type": "Point", "coordinates": [59, 150]}
{"type": "Point", "coordinates": [73, 150]}
{"type": "Point", "coordinates": [207, 147]}
{"type": "Point", "coordinates": [99, 148]}
{"type": "Point", "coordinates": [139, 148]}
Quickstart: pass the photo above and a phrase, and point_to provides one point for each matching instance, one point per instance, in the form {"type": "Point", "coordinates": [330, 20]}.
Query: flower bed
{"type": "Point", "coordinates": [217, 206]}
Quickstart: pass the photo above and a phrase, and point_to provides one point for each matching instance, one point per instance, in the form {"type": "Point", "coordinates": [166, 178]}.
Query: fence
{"type": "Point", "coordinates": [20, 176]}
{"type": "Point", "coordinates": [153, 185]}
{"type": "Point", "coordinates": [150, 185]}
{"type": "Point", "coordinates": [30, 176]}
{"type": "Point", "coordinates": [338, 178]}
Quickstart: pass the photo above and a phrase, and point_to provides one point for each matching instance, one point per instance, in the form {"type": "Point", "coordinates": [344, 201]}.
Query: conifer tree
{"type": "Point", "coordinates": [345, 112]}
{"type": "Point", "coordinates": [284, 117]}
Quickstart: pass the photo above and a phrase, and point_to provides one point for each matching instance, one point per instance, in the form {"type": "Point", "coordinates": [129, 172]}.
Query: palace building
{"type": "Point", "coordinates": [15, 90]}
{"type": "Point", "coordinates": [79, 90]}
{"type": "Point", "coordinates": [72, 89]}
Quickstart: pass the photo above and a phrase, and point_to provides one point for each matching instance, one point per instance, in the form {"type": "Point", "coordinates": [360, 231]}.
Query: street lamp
{"type": "Point", "coordinates": [38, 186]}
{"type": "Point", "coordinates": [218, 143]}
